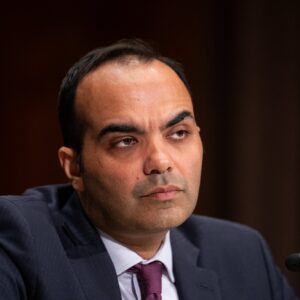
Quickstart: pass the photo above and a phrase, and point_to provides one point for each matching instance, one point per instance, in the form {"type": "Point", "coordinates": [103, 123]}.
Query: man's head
{"type": "Point", "coordinates": [138, 168]}
{"type": "Point", "coordinates": [72, 126]}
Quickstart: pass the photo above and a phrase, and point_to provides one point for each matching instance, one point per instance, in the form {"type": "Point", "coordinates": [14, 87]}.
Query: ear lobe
{"type": "Point", "coordinates": [68, 159]}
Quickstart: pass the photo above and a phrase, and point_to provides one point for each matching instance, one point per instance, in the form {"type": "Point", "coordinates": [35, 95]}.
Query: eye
{"type": "Point", "coordinates": [179, 134]}
{"type": "Point", "coordinates": [125, 142]}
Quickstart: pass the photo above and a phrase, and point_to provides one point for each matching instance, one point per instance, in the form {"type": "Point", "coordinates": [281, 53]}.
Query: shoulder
{"type": "Point", "coordinates": [43, 198]}
{"type": "Point", "coordinates": [29, 240]}
{"type": "Point", "coordinates": [203, 225]}
{"type": "Point", "coordinates": [34, 206]}
{"type": "Point", "coordinates": [224, 245]}
{"type": "Point", "coordinates": [218, 235]}
{"type": "Point", "coordinates": [30, 214]}
{"type": "Point", "coordinates": [22, 217]}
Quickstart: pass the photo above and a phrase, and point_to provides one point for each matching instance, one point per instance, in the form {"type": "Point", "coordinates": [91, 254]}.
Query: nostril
{"type": "Point", "coordinates": [155, 172]}
{"type": "Point", "coordinates": [159, 171]}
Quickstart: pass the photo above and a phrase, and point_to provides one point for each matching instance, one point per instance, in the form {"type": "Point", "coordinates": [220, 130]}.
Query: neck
{"type": "Point", "coordinates": [145, 246]}
{"type": "Point", "coordinates": [144, 242]}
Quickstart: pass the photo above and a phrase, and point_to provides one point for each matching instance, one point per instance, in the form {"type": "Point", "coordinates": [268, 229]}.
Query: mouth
{"type": "Point", "coordinates": [163, 193]}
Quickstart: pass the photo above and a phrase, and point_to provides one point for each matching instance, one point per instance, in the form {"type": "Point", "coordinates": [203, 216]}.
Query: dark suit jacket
{"type": "Point", "coordinates": [49, 250]}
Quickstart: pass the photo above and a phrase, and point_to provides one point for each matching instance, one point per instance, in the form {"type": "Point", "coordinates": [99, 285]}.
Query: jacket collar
{"type": "Point", "coordinates": [192, 281]}
{"type": "Point", "coordinates": [87, 255]}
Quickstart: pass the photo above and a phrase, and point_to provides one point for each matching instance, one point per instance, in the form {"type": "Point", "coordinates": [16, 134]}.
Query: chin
{"type": "Point", "coordinates": [165, 222]}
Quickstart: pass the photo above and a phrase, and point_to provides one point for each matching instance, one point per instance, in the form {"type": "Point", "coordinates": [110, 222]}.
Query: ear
{"type": "Point", "coordinates": [69, 161]}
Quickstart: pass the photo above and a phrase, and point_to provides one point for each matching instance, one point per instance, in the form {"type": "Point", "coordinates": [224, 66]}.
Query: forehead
{"type": "Point", "coordinates": [133, 90]}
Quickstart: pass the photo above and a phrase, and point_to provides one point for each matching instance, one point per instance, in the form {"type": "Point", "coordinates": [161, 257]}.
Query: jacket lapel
{"type": "Point", "coordinates": [97, 276]}
{"type": "Point", "coordinates": [87, 255]}
{"type": "Point", "coordinates": [192, 281]}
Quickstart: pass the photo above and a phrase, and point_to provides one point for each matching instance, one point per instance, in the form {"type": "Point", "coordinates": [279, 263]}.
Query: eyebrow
{"type": "Point", "coordinates": [178, 118]}
{"type": "Point", "coordinates": [127, 128]}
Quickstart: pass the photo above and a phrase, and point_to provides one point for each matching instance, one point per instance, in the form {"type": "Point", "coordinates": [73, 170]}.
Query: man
{"type": "Point", "coordinates": [132, 153]}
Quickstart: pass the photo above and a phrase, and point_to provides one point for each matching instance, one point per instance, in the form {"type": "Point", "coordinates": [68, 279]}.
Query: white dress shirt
{"type": "Point", "coordinates": [124, 258]}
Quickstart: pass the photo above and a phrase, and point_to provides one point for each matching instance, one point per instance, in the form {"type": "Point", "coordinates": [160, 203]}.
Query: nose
{"type": "Point", "coordinates": [158, 160]}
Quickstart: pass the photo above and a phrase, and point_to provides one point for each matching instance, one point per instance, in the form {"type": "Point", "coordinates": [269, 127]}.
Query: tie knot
{"type": "Point", "coordinates": [149, 276]}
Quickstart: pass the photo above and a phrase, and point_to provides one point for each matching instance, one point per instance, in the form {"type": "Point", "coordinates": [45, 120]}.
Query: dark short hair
{"type": "Point", "coordinates": [72, 127]}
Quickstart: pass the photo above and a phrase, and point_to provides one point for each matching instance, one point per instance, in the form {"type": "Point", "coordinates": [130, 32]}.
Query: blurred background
{"type": "Point", "coordinates": [243, 61]}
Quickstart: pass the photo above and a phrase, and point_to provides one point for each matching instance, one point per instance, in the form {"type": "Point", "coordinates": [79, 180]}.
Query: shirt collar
{"type": "Point", "coordinates": [123, 258]}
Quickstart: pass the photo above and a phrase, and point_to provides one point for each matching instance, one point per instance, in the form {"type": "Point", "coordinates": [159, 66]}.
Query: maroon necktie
{"type": "Point", "coordinates": [149, 277]}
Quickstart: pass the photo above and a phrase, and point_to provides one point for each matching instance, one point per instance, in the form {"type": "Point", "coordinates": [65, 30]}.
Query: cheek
{"type": "Point", "coordinates": [114, 178]}
{"type": "Point", "coordinates": [192, 167]}
{"type": "Point", "coordinates": [191, 159]}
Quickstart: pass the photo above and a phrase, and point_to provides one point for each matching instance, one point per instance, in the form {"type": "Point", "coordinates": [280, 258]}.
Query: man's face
{"type": "Point", "coordinates": [142, 154]}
